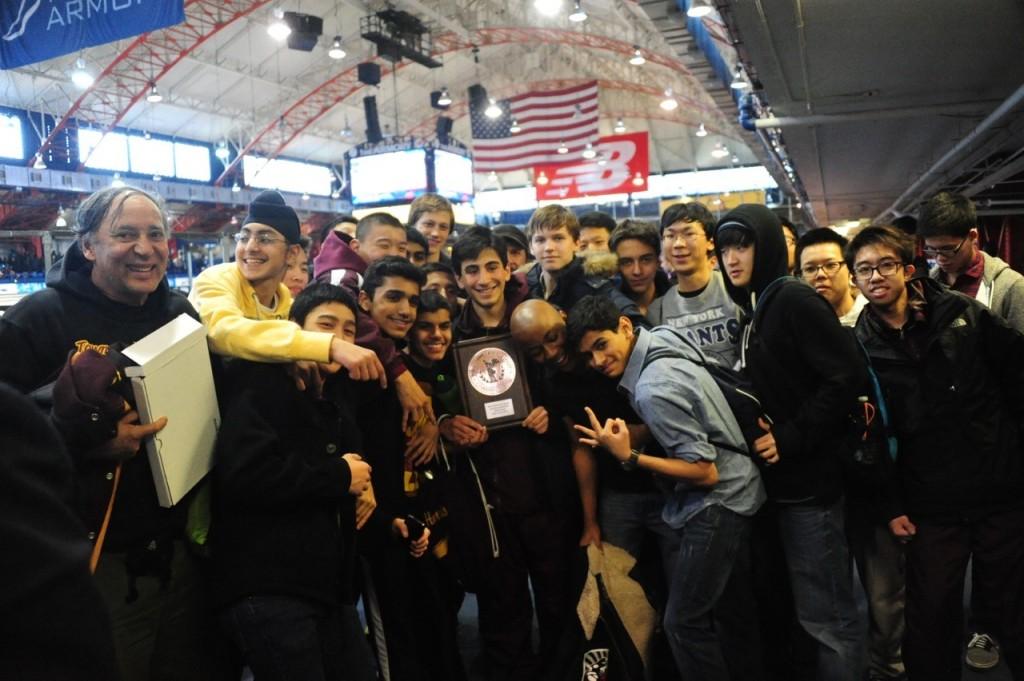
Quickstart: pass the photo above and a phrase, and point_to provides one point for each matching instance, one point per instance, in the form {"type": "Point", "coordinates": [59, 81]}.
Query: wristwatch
{"type": "Point", "coordinates": [632, 462]}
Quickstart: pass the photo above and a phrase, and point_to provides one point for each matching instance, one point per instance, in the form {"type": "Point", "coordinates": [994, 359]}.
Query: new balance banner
{"type": "Point", "coordinates": [35, 30]}
{"type": "Point", "coordinates": [620, 167]}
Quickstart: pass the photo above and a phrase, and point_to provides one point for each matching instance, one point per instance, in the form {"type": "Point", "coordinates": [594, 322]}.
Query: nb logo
{"type": "Point", "coordinates": [591, 178]}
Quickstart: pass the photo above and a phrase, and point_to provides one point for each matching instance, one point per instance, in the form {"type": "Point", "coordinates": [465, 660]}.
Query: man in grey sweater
{"type": "Point", "coordinates": [948, 226]}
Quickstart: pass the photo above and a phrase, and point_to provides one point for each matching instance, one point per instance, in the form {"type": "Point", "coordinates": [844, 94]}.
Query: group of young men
{"type": "Point", "coordinates": [346, 468]}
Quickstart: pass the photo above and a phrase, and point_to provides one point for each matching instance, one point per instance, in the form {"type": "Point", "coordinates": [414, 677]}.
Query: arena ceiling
{"type": "Point", "coordinates": [223, 78]}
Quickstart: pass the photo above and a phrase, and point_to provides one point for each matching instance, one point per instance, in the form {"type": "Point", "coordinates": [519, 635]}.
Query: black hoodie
{"type": "Point", "coordinates": [805, 367]}
{"type": "Point", "coordinates": [36, 337]}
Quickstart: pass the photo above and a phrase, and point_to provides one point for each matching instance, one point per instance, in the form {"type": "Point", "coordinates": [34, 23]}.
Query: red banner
{"type": "Point", "coordinates": [624, 170]}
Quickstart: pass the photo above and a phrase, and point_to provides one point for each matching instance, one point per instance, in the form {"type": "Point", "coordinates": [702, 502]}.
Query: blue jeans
{"type": "Point", "coordinates": [626, 518]}
{"type": "Point", "coordinates": [290, 639]}
{"type": "Point", "coordinates": [710, 620]}
{"type": "Point", "coordinates": [821, 577]}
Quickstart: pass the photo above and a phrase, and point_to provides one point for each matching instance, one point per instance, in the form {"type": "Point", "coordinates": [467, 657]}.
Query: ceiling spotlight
{"type": "Point", "coordinates": [492, 176]}
{"type": "Point", "coordinates": [61, 220]}
{"type": "Point", "coordinates": [620, 127]}
{"type": "Point", "coordinates": [82, 79]}
{"type": "Point", "coordinates": [146, 135]}
{"type": "Point", "coordinates": [493, 110]}
{"type": "Point", "coordinates": [39, 164]}
{"type": "Point", "coordinates": [719, 151]}
{"type": "Point", "coordinates": [735, 159]}
{"type": "Point", "coordinates": [222, 152]}
{"type": "Point", "coordinates": [738, 81]}
{"type": "Point", "coordinates": [336, 194]}
{"type": "Point", "coordinates": [799, 204]}
{"type": "Point", "coordinates": [542, 179]}
{"type": "Point", "coordinates": [154, 95]}
{"type": "Point", "coordinates": [698, 9]}
{"type": "Point", "coordinates": [336, 51]}
{"type": "Point", "coordinates": [562, 149]}
{"type": "Point", "coordinates": [638, 179]}
{"type": "Point", "coordinates": [117, 181]}
{"type": "Point", "coordinates": [548, 8]}
{"type": "Point", "coordinates": [346, 131]}
{"type": "Point", "coordinates": [589, 151]}
{"type": "Point", "coordinates": [701, 131]}
{"type": "Point", "coordinates": [602, 160]}
{"type": "Point", "coordinates": [515, 127]}
{"type": "Point", "coordinates": [305, 196]}
{"type": "Point", "coordinates": [158, 178]}
{"type": "Point", "coordinates": [278, 30]}
{"type": "Point", "coordinates": [638, 57]}
{"type": "Point", "coordinates": [235, 188]}
{"type": "Point", "coordinates": [446, 98]}
{"type": "Point", "coordinates": [669, 103]}
{"type": "Point", "coordinates": [578, 14]}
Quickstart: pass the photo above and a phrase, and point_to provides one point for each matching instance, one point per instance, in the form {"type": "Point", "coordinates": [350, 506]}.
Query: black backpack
{"type": "Point", "coordinates": [736, 388]}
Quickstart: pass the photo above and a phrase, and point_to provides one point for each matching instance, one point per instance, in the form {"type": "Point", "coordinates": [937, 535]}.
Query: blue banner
{"type": "Point", "coordinates": [36, 30]}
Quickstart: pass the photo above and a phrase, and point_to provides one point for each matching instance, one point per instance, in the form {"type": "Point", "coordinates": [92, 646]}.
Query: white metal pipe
{"type": "Point", "coordinates": [860, 116]}
{"type": "Point", "coordinates": [1002, 110]}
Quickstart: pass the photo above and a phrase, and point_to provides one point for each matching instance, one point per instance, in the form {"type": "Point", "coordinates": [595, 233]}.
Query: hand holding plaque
{"type": "Point", "coordinates": [494, 390]}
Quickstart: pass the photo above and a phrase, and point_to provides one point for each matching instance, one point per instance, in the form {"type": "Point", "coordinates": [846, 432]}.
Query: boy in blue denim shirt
{"type": "Point", "coordinates": [709, 619]}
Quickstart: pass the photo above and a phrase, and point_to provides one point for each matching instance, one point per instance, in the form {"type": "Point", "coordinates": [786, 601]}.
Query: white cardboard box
{"type": "Point", "coordinates": [174, 379]}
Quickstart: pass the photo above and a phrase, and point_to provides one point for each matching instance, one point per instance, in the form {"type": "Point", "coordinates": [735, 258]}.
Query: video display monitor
{"type": "Point", "coordinates": [453, 176]}
{"type": "Point", "coordinates": [393, 176]}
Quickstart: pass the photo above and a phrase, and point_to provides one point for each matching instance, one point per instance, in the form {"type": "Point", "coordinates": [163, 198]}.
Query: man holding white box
{"type": "Point", "coordinates": [109, 290]}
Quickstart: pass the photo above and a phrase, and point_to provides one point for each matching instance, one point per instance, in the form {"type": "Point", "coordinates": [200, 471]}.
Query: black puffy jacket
{"type": "Point", "coordinates": [954, 383]}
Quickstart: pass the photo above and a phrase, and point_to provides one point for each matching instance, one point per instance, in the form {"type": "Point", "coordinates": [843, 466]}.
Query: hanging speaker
{"type": "Point", "coordinates": [444, 129]}
{"type": "Point", "coordinates": [373, 135]}
{"type": "Point", "coordinates": [477, 95]}
{"type": "Point", "coordinates": [306, 29]}
{"type": "Point", "coordinates": [368, 73]}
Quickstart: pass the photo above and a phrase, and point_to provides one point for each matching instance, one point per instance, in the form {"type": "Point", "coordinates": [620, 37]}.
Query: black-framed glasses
{"type": "Point", "coordinates": [886, 268]}
{"type": "Point", "coordinates": [944, 251]}
{"type": "Point", "coordinates": [831, 267]}
{"type": "Point", "coordinates": [262, 238]}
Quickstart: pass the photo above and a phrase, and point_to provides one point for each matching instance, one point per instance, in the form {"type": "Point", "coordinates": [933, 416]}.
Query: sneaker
{"type": "Point", "coordinates": [982, 652]}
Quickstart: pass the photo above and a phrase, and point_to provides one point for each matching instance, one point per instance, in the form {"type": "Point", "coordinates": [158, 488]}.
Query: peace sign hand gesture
{"type": "Point", "coordinates": [613, 435]}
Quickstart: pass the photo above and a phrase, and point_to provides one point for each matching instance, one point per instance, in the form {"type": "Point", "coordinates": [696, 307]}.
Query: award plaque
{"type": "Point", "coordinates": [493, 386]}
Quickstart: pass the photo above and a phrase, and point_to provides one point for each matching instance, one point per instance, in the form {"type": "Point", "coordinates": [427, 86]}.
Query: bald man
{"type": "Point", "coordinates": [619, 506]}
{"type": "Point", "coordinates": [538, 327]}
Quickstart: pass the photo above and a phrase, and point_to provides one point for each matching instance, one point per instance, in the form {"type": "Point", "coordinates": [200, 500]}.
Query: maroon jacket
{"type": "Point", "coordinates": [339, 265]}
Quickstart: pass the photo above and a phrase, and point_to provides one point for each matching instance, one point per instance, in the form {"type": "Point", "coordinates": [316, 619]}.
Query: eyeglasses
{"type": "Point", "coordinates": [689, 236]}
{"type": "Point", "coordinates": [945, 251]}
{"type": "Point", "coordinates": [262, 238]}
{"type": "Point", "coordinates": [886, 268]}
{"type": "Point", "coordinates": [811, 271]}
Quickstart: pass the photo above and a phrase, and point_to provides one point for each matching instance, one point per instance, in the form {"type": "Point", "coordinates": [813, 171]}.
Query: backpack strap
{"type": "Point", "coordinates": [891, 440]}
{"type": "Point", "coordinates": [667, 353]}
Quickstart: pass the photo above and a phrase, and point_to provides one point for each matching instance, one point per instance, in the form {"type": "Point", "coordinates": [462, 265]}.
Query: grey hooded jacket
{"type": "Point", "coordinates": [1001, 290]}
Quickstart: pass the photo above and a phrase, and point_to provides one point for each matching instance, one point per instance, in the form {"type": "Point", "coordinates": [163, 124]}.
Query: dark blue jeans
{"type": "Point", "coordinates": [821, 576]}
{"type": "Point", "coordinates": [291, 639]}
{"type": "Point", "coordinates": [710, 619]}
{"type": "Point", "coordinates": [628, 518]}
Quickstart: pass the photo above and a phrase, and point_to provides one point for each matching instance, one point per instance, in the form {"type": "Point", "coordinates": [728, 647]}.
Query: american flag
{"type": "Point", "coordinates": [547, 119]}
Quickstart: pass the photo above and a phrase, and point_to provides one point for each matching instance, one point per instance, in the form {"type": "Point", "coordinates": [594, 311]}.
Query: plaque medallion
{"type": "Point", "coordinates": [491, 371]}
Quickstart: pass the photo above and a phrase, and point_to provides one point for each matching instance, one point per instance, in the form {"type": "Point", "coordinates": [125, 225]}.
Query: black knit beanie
{"type": "Point", "coordinates": [270, 209]}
